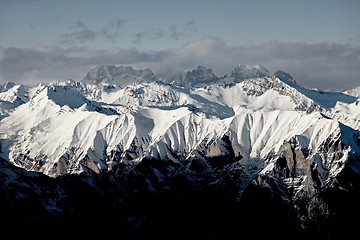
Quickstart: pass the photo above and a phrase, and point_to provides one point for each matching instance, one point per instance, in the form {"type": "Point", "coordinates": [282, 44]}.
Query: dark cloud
{"type": "Point", "coordinates": [328, 66]}
{"type": "Point", "coordinates": [117, 23]}
{"type": "Point", "coordinates": [81, 36]}
{"type": "Point", "coordinates": [150, 33]}
{"type": "Point", "coordinates": [111, 36]}
{"type": "Point", "coordinates": [173, 32]}
{"type": "Point", "coordinates": [190, 23]}
{"type": "Point", "coordinates": [184, 31]}
{"type": "Point", "coordinates": [59, 20]}
{"type": "Point", "coordinates": [79, 24]}
{"type": "Point", "coordinates": [82, 33]}
{"type": "Point", "coordinates": [33, 66]}
{"type": "Point", "coordinates": [32, 25]}
{"type": "Point", "coordinates": [111, 32]}
{"type": "Point", "coordinates": [190, 27]}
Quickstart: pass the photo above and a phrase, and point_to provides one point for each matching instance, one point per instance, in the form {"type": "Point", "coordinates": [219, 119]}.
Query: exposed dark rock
{"type": "Point", "coordinates": [168, 200]}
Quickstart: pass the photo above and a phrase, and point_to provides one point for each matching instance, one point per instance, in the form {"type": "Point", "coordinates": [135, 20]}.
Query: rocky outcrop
{"type": "Point", "coordinates": [200, 75]}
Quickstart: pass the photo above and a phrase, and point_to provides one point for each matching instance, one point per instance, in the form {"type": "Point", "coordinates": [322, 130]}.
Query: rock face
{"type": "Point", "coordinates": [285, 77]}
{"type": "Point", "coordinates": [200, 75]}
{"type": "Point", "coordinates": [196, 198]}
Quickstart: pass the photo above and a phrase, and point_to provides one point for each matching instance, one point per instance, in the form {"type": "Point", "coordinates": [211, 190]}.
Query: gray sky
{"type": "Point", "coordinates": [317, 41]}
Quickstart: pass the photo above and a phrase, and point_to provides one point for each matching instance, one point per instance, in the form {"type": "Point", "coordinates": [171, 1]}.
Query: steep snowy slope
{"type": "Point", "coordinates": [60, 130]}
{"type": "Point", "coordinates": [12, 96]}
{"type": "Point", "coordinates": [348, 114]}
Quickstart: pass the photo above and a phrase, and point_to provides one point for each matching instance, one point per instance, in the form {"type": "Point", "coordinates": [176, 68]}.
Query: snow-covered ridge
{"type": "Point", "coordinates": [67, 127]}
{"type": "Point", "coordinates": [353, 92]}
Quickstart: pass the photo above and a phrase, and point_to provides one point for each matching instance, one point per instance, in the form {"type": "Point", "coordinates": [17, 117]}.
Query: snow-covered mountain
{"type": "Point", "coordinates": [11, 96]}
{"type": "Point", "coordinates": [64, 129]}
{"type": "Point", "coordinates": [200, 75]}
{"type": "Point", "coordinates": [251, 130]}
{"type": "Point", "coordinates": [120, 75]}
{"type": "Point", "coordinates": [242, 72]}
{"type": "Point", "coordinates": [171, 76]}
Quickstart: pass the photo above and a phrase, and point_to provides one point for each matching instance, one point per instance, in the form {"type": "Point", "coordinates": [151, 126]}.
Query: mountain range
{"type": "Point", "coordinates": [174, 155]}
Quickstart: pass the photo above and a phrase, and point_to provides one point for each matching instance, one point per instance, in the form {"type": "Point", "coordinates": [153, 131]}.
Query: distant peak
{"type": "Point", "coordinates": [203, 68]}
{"type": "Point", "coordinates": [256, 66]}
{"type": "Point", "coordinates": [200, 75]}
{"type": "Point", "coordinates": [242, 72]}
{"type": "Point", "coordinates": [121, 75]}
{"type": "Point", "coordinates": [6, 86]}
{"type": "Point", "coordinates": [285, 77]}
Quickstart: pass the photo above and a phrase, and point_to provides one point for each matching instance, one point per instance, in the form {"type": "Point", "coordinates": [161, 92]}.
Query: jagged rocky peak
{"type": "Point", "coordinates": [171, 76]}
{"type": "Point", "coordinates": [10, 92]}
{"type": "Point", "coordinates": [200, 75]}
{"type": "Point", "coordinates": [242, 72]}
{"type": "Point", "coordinates": [120, 75]}
{"type": "Point", "coordinates": [6, 86]}
{"type": "Point", "coordinates": [285, 77]}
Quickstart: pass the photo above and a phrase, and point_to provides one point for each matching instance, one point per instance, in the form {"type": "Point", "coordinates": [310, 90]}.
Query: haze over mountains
{"type": "Point", "coordinates": [246, 136]}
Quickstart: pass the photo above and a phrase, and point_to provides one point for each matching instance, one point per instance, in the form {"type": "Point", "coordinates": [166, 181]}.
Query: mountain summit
{"type": "Point", "coordinates": [285, 77]}
{"type": "Point", "coordinates": [200, 75]}
{"type": "Point", "coordinates": [121, 75]}
{"type": "Point", "coordinates": [242, 72]}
